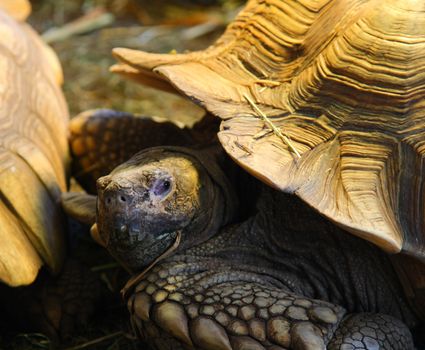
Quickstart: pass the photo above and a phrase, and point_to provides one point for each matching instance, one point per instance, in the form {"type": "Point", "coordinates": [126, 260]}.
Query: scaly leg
{"type": "Point", "coordinates": [56, 306]}
{"type": "Point", "coordinates": [102, 139]}
{"type": "Point", "coordinates": [191, 305]}
{"type": "Point", "coordinates": [210, 306]}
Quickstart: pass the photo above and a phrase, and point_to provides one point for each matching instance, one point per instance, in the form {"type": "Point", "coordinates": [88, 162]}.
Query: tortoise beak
{"type": "Point", "coordinates": [94, 232]}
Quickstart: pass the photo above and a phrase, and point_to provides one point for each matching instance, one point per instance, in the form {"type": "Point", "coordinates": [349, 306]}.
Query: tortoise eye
{"type": "Point", "coordinates": [161, 187]}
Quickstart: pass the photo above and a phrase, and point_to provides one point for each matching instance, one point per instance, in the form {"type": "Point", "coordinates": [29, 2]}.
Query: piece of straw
{"type": "Point", "coordinates": [97, 341]}
{"type": "Point", "coordinates": [270, 124]}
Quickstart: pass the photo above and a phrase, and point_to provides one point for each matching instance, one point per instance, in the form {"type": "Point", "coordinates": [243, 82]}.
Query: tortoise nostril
{"type": "Point", "coordinates": [115, 198]}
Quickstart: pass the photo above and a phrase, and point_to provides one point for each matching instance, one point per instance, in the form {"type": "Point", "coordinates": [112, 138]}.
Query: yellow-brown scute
{"type": "Point", "coordinates": [33, 152]}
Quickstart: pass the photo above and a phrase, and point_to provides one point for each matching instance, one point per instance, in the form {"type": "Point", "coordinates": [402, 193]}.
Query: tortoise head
{"type": "Point", "coordinates": [158, 197]}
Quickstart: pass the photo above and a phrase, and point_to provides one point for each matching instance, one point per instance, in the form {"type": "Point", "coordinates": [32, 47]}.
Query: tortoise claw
{"type": "Point", "coordinates": [209, 334]}
{"type": "Point", "coordinates": [172, 318]}
{"type": "Point", "coordinates": [306, 336]}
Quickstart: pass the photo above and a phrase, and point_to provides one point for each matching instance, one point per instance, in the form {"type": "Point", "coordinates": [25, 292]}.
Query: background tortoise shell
{"type": "Point", "coordinates": [344, 81]}
{"type": "Point", "coordinates": [33, 150]}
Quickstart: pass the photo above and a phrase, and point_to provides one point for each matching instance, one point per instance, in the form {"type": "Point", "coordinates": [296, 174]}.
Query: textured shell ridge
{"type": "Point", "coordinates": [33, 155]}
{"type": "Point", "coordinates": [18, 9]}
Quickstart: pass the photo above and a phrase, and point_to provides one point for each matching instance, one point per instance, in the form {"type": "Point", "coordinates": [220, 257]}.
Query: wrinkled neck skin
{"type": "Point", "coordinates": [288, 245]}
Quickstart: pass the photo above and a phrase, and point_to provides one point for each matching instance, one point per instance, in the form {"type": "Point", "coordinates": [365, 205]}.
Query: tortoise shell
{"type": "Point", "coordinates": [33, 150]}
{"type": "Point", "coordinates": [320, 98]}
{"type": "Point", "coordinates": [18, 9]}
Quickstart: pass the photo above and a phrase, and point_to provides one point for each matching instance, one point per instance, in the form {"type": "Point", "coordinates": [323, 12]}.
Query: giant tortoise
{"type": "Point", "coordinates": [321, 100]}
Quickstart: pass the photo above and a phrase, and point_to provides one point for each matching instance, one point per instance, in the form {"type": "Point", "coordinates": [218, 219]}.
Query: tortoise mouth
{"type": "Point", "coordinates": [138, 251]}
{"type": "Point", "coordinates": [155, 248]}
{"type": "Point", "coordinates": [165, 245]}
{"type": "Point", "coordinates": [138, 277]}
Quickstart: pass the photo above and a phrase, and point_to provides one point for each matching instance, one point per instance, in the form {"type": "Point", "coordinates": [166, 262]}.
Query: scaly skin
{"type": "Point", "coordinates": [55, 306]}
{"type": "Point", "coordinates": [283, 278]}
{"type": "Point", "coordinates": [288, 281]}
{"type": "Point", "coordinates": [102, 139]}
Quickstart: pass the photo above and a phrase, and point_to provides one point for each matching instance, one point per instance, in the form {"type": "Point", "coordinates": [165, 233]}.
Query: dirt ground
{"type": "Point", "coordinates": [83, 32]}
{"type": "Point", "coordinates": [167, 26]}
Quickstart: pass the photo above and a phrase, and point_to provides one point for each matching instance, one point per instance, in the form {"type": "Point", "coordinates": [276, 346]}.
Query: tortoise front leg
{"type": "Point", "coordinates": [189, 305]}
{"type": "Point", "coordinates": [102, 139]}
{"type": "Point", "coordinates": [206, 305]}
{"type": "Point", "coordinates": [55, 306]}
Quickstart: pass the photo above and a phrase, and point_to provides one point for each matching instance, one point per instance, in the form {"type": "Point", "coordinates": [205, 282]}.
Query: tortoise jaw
{"type": "Point", "coordinates": [138, 277]}
{"type": "Point", "coordinates": [133, 246]}
{"type": "Point", "coordinates": [150, 250]}
{"type": "Point", "coordinates": [128, 229]}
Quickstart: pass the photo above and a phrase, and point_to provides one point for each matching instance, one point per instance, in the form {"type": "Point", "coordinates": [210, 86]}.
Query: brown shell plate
{"type": "Point", "coordinates": [344, 82]}
{"type": "Point", "coordinates": [33, 153]}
